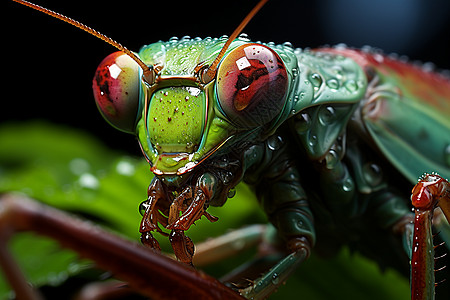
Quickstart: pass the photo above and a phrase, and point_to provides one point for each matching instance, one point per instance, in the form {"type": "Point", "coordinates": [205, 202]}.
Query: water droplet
{"type": "Point", "coordinates": [372, 174]}
{"type": "Point", "coordinates": [348, 185]}
{"type": "Point", "coordinates": [125, 168]}
{"type": "Point", "coordinates": [326, 115]}
{"type": "Point", "coordinates": [337, 70]}
{"type": "Point", "coordinates": [333, 84]}
{"type": "Point", "coordinates": [312, 140]}
{"type": "Point", "coordinates": [331, 159]}
{"type": "Point", "coordinates": [232, 193]}
{"type": "Point", "coordinates": [288, 45]}
{"type": "Point", "coordinates": [79, 166]}
{"type": "Point", "coordinates": [302, 122]}
{"type": "Point", "coordinates": [275, 278]}
{"type": "Point", "coordinates": [244, 37]}
{"type": "Point", "coordinates": [316, 80]}
{"type": "Point", "coordinates": [274, 142]}
{"type": "Point", "coordinates": [89, 181]}
{"type": "Point", "coordinates": [378, 57]}
{"type": "Point", "coordinates": [351, 86]}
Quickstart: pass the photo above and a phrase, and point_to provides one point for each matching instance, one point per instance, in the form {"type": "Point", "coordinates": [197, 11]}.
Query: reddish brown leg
{"type": "Point", "coordinates": [182, 245]}
{"type": "Point", "coordinates": [430, 191]}
{"type": "Point", "coordinates": [195, 211]}
{"type": "Point", "coordinates": [152, 215]}
{"type": "Point", "coordinates": [193, 206]}
{"type": "Point", "coordinates": [179, 205]}
{"type": "Point", "coordinates": [152, 274]}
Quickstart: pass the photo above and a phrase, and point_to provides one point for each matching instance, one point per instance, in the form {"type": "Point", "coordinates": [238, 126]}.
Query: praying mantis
{"type": "Point", "coordinates": [171, 167]}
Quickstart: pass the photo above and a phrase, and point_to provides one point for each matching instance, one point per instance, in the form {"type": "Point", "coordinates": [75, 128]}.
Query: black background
{"type": "Point", "coordinates": [48, 65]}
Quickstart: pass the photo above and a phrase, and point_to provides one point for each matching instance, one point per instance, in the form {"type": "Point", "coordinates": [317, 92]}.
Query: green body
{"type": "Point", "coordinates": [321, 167]}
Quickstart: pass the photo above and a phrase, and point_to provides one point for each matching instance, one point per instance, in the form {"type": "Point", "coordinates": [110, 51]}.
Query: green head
{"type": "Point", "coordinates": [185, 99]}
{"type": "Point", "coordinates": [181, 120]}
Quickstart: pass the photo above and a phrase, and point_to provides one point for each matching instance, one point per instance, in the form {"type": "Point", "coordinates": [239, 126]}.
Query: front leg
{"type": "Point", "coordinates": [193, 206]}
{"type": "Point", "coordinates": [156, 202]}
{"type": "Point", "coordinates": [198, 202]}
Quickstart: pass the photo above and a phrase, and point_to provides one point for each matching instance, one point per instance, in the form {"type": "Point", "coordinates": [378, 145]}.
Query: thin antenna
{"type": "Point", "coordinates": [210, 73]}
{"type": "Point", "coordinates": [147, 71]}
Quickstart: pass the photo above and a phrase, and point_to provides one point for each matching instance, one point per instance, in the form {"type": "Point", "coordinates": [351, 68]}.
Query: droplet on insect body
{"type": "Point", "coordinates": [331, 159]}
{"type": "Point", "coordinates": [275, 278]}
{"type": "Point", "coordinates": [348, 185]}
{"type": "Point", "coordinates": [288, 45]}
{"type": "Point", "coordinates": [372, 174]}
{"type": "Point", "coordinates": [351, 86]}
{"type": "Point", "coordinates": [316, 80]}
{"type": "Point", "coordinates": [274, 142]}
{"type": "Point", "coordinates": [326, 115]}
{"type": "Point", "coordinates": [333, 84]}
{"type": "Point", "coordinates": [312, 140]}
{"type": "Point", "coordinates": [244, 37]}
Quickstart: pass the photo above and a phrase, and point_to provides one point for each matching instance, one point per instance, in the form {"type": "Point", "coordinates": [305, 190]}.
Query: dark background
{"type": "Point", "coordinates": [50, 64]}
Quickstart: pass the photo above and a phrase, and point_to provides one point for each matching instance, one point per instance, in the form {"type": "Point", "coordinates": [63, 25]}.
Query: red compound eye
{"type": "Point", "coordinates": [251, 85]}
{"type": "Point", "coordinates": [116, 86]}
